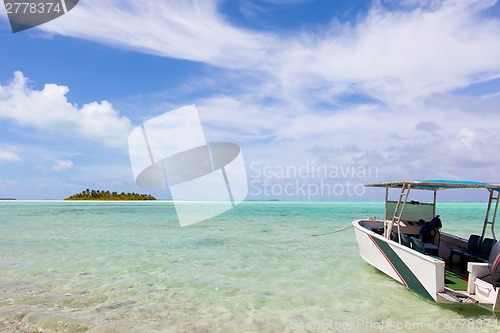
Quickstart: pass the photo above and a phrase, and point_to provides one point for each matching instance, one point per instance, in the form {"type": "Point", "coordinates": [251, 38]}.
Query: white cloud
{"type": "Point", "coordinates": [8, 154]}
{"type": "Point", "coordinates": [391, 55]}
{"type": "Point", "coordinates": [49, 110]}
{"type": "Point", "coordinates": [61, 165]}
{"type": "Point", "coordinates": [397, 56]}
{"type": "Point", "coordinates": [440, 137]}
{"type": "Point", "coordinates": [186, 29]}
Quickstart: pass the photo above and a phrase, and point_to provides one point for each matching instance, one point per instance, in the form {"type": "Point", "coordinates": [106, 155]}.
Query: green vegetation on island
{"type": "Point", "coordinates": [106, 195]}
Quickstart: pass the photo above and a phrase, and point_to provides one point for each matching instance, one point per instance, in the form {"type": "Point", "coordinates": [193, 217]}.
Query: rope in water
{"type": "Point", "coordinates": [332, 232]}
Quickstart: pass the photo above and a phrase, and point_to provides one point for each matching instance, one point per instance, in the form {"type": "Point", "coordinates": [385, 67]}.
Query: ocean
{"type": "Point", "coordinates": [130, 267]}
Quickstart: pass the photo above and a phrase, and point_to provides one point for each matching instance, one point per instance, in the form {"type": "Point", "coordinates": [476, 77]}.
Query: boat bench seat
{"type": "Point", "coordinates": [405, 239]}
{"type": "Point", "coordinates": [416, 244]}
{"type": "Point", "coordinates": [477, 251]}
{"type": "Point", "coordinates": [425, 248]}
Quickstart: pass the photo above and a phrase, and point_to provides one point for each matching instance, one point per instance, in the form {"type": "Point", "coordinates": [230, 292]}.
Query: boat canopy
{"type": "Point", "coordinates": [434, 185]}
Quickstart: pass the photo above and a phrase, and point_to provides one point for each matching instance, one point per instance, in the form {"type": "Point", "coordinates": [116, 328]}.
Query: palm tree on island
{"type": "Point", "coordinates": [106, 195]}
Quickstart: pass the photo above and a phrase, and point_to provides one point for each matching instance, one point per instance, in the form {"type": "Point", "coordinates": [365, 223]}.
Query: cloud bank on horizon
{"type": "Point", "coordinates": [410, 87]}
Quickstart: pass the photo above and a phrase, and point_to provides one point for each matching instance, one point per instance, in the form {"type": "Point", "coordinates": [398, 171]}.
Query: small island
{"type": "Point", "coordinates": [106, 195]}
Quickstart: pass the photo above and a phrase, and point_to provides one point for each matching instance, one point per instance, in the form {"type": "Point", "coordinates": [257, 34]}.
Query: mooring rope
{"type": "Point", "coordinates": [332, 232]}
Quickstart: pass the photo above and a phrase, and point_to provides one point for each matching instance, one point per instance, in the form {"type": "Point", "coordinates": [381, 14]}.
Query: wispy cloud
{"type": "Point", "coordinates": [8, 154]}
{"type": "Point", "coordinates": [62, 165]}
{"type": "Point", "coordinates": [396, 56]}
{"type": "Point", "coordinates": [56, 166]}
{"type": "Point", "coordinates": [192, 30]}
{"type": "Point", "coordinates": [391, 55]}
{"type": "Point", "coordinates": [404, 57]}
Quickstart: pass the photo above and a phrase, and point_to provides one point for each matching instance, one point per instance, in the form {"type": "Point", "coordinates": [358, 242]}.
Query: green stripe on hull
{"type": "Point", "coordinates": [403, 270]}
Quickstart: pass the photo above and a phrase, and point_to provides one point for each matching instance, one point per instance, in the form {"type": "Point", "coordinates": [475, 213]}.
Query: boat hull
{"type": "Point", "coordinates": [421, 273]}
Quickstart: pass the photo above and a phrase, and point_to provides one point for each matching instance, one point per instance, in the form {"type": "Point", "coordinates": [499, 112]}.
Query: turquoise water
{"type": "Point", "coordinates": [129, 267]}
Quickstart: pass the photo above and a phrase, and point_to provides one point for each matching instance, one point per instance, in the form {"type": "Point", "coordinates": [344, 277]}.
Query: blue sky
{"type": "Point", "coordinates": [373, 90]}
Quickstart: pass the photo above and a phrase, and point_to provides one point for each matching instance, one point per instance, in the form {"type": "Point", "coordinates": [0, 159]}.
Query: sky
{"type": "Point", "coordinates": [322, 96]}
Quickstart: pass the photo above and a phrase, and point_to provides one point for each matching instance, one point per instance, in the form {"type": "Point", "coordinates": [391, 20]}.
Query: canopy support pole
{"type": "Point", "coordinates": [434, 204]}
{"type": "Point", "coordinates": [398, 212]}
{"type": "Point", "coordinates": [488, 211]}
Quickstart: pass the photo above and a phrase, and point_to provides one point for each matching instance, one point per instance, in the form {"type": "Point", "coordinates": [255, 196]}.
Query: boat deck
{"type": "Point", "coordinates": [455, 290]}
{"type": "Point", "coordinates": [457, 296]}
{"type": "Point", "coordinates": [455, 281]}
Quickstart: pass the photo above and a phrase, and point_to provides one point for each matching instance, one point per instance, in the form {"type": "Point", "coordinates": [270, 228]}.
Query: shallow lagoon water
{"type": "Point", "coordinates": [129, 267]}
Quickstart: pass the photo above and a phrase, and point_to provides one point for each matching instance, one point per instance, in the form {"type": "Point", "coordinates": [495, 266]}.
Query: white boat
{"type": "Point", "coordinates": [434, 264]}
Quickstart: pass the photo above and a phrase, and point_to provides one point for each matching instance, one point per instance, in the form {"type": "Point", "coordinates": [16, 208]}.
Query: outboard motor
{"type": "Point", "coordinates": [494, 262]}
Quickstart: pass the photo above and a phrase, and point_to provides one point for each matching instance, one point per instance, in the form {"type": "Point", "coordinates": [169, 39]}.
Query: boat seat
{"type": "Point", "coordinates": [425, 248]}
{"type": "Point", "coordinates": [484, 251]}
{"type": "Point", "coordinates": [477, 251]}
{"type": "Point", "coordinates": [473, 248]}
{"type": "Point", "coordinates": [486, 247]}
{"type": "Point", "coordinates": [405, 240]}
{"type": "Point", "coordinates": [417, 245]}
{"type": "Point", "coordinates": [493, 266]}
